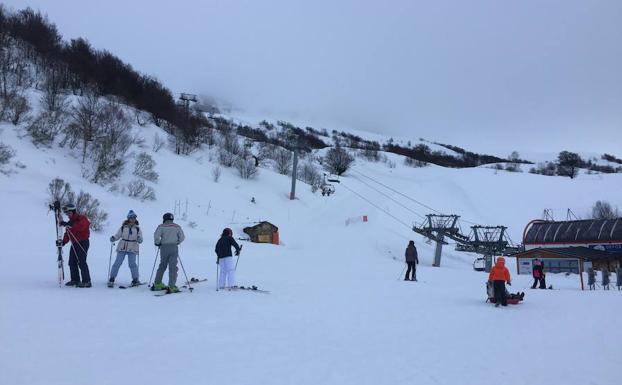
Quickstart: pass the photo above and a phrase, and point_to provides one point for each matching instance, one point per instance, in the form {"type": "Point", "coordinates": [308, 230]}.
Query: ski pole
{"type": "Point", "coordinates": [153, 269]}
{"type": "Point", "coordinates": [217, 265]}
{"type": "Point", "coordinates": [74, 240]}
{"type": "Point", "coordinates": [402, 273]}
{"type": "Point", "coordinates": [185, 275]}
{"type": "Point", "coordinates": [238, 258]}
{"type": "Point", "coordinates": [110, 260]}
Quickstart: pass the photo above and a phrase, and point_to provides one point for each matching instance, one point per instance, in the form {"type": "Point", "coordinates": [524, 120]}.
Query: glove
{"type": "Point", "coordinates": [63, 223]}
{"type": "Point", "coordinates": [510, 283]}
{"type": "Point", "coordinates": [112, 239]}
{"type": "Point", "coordinates": [157, 245]}
{"type": "Point", "coordinates": [237, 252]}
{"type": "Point", "coordinates": [59, 243]}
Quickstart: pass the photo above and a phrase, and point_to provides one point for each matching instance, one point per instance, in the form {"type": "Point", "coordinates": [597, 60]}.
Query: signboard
{"type": "Point", "coordinates": [610, 247]}
{"type": "Point", "coordinates": [524, 266]}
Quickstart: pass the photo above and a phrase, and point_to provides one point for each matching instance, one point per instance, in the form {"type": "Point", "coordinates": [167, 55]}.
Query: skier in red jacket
{"type": "Point", "coordinates": [77, 232]}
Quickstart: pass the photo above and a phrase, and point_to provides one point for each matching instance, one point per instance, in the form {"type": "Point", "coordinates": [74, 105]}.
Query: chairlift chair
{"type": "Point", "coordinates": [331, 178]}
{"type": "Point", "coordinates": [479, 264]}
{"type": "Point", "coordinates": [328, 189]}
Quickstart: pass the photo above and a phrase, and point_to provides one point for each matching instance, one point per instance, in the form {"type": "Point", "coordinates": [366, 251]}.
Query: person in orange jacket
{"type": "Point", "coordinates": [499, 275]}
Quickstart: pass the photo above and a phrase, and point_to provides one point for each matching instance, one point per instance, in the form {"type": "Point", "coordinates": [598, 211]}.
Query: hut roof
{"type": "Point", "coordinates": [580, 231]}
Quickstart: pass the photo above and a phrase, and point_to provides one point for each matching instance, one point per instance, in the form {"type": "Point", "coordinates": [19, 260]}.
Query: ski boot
{"type": "Point", "coordinates": [173, 289]}
{"type": "Point", "coordinates": [158, 287]}
{"type": "Point", "coordinates": [84, 284]}
{"type": "Point", "coordinates": [110, 283]}
{"type": "Point", "coordinates": [135, 282]}
{"type": "Point", "coordinates": [72, 283]}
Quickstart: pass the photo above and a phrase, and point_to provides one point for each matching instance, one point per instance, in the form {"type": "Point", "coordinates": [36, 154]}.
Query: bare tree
{"type": "Point", "coordinates": [158, 142]}
{"type": "Point", "coordinates": [138, 189]}
{"type": "Point", "coordinates": [513, 165]}
{"type": "Point", "coordinates": [283, 161]}
{"type": "Point", "coordinates": [216, 172]}
{"type": "Point", "coordinates": [604, 210]}
{"type": "Point", "coordinates": [109, 143]}
{"type": "Point", "coordinates": [568, 164]}
{"type": "Point", "coordinates": [337, 160]}
{"type": "Point", "coordinates": [89, 206]}
{"type": "Point", "coordinates": [6, 153]}
{"type": "Point", "coordinates": [143, 167]}
{"type": "Point", "coordinates": [246, 167]}
{"type": "Point", "coordinates": [85, 122]}
{"type": "Point", "coordinates": [59, 190]}
{"type": "Point", "coordinates": [17, 107]}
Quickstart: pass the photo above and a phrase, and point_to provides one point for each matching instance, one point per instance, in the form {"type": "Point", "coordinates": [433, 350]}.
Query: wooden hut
{"type": "Point", "coordinates": [263, 232]}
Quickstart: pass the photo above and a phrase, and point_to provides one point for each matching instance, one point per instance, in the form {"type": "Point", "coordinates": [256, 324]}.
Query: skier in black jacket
{"type": "Point", "coordinates": [412, 259]}
{"type": "Point", "coordinates": [225, 258]}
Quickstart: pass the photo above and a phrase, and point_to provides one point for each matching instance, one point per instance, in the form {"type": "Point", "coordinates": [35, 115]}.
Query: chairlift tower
{"type": "Point", "coordinates": [436, 228]}
{"type": "Point", "coordinates": [488, 241]}
{"type": "Point", "coordinates": [184, 102]}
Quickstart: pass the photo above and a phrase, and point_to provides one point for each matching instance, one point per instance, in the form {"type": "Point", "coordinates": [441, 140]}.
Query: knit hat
{"type": "Point", "coordinates": [131, 214]}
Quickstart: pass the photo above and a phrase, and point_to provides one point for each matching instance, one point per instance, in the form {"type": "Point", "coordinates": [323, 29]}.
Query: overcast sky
{"type": "Point", "coordinates": [538, 75]}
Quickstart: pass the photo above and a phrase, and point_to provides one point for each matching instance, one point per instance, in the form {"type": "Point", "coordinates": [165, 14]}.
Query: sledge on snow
{"type": "Point", "coordinates": [512, 299]}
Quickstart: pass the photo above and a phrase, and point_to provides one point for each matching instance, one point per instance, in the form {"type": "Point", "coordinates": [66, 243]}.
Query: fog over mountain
{"type": "Point", "coordinates": [529, 75]}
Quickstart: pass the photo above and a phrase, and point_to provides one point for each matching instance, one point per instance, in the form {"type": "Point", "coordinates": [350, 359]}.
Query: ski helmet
{"type": "Point", "coordinates": [227, 231]}
{"type": "Point", "coordinates": [168, 217]}
{"type": "Point", "coordinates": [131, 214]}
{"type": "Point", "coordinates": [69, 207]}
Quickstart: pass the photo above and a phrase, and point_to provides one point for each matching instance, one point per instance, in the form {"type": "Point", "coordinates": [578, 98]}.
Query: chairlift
{"type": "Point", "coordinates": [331, 178]}
{"type": "Point", "coordinates": [327, 189]}
{"type": "Point", "coordinates": [479, 264]}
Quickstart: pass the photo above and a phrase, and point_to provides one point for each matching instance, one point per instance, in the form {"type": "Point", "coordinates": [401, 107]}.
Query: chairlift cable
{"type": "Point", "coordinates": [410, 198]}
{"type": "Point", "coordinates": [390, 198]}
{"type": "Point", "coordinates": [376, 206]}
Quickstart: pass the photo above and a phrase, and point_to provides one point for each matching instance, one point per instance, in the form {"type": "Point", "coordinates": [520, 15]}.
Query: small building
{"type": "Point", "coordinates": [597, 242]}
{"type": "Point", "coordinates": [572, 246]}
{"type": "Point", "coordinates": [567, 259]}
{"type": "Point", "coordinates": [263, 232]}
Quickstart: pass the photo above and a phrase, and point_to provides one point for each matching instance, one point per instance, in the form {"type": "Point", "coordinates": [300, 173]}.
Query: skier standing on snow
{"type": "Point", "coordinates": [538, 274]}
{"type": "Point", "coordinates": [412, 260]}
{"type": "Point", "coordinates": [167, 237]}
{"type": "Point", "coordinates": [499, 275]}
{"type": "Point", "coordinates": [225, 259]}
{"type": "Point", "coordinates": [77, 231]}
{"type": "Point", "coordinates": [130, 237]}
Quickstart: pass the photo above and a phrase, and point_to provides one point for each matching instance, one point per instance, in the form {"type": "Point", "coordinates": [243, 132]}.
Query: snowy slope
{"type": "Point", "coordinates": [338, 312]}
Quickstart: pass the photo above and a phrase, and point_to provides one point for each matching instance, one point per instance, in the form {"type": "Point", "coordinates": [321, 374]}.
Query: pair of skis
{"type": "Point", "coordinates": [59, 239]}
{"type": "Point", "coordinates": [128, 286]}
{"type": "Point", "coordinates": [249, 288]}
{"type": "Point", "coordinates": [186, 286]}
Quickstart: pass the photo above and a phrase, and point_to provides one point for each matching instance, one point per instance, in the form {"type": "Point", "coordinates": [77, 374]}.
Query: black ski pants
{"type": "Point", "coordinates": [500, 296]}
{"type": "Point", "coordinates": [77, 261]}
{"type": "Point", "coordinates": [412, 266]}
{"type": "Point", "coordinates": [541, 281]}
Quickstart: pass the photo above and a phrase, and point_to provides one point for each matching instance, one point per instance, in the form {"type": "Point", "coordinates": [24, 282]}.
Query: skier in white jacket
{"type": "Point", "coordinates": [129, 236]}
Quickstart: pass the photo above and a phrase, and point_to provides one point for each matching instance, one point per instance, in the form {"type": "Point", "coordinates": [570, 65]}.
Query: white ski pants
{"type": "Point", "coordinates": [226, 277]}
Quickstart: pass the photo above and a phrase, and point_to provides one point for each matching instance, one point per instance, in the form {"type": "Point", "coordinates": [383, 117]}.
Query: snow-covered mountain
{"type": "Point", "coordinates": [338, 311]}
